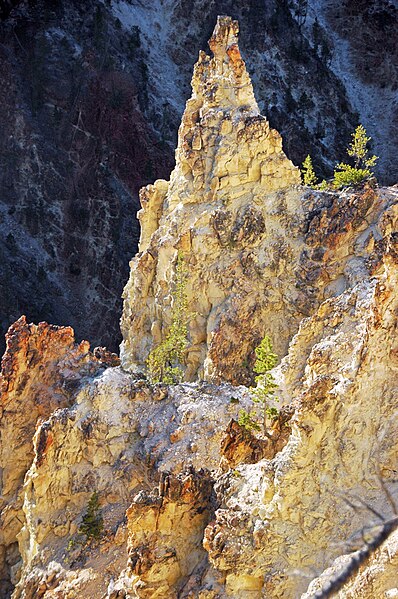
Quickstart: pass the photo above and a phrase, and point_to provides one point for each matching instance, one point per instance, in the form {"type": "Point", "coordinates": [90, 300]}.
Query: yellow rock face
{"type": "Point", "coordinates": [193, 505]}
{"type": "Point", "coordinates": [41, 367]}
{"type": "Point", "coordinates": [341, 374]}
{"type": "Point", "coordinates": [220, 210]}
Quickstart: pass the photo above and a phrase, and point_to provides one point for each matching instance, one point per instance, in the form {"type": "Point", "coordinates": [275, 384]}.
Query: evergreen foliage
{"type": "Point", "coordinates": [265, 357]}
{"type": "Point", "coordinates": [308, 173]}
{"type": "Point", "coordinates": [345, 174]}
{"type": "Point", "coordinates": [316, 34]}
{"type": "Point", "coordinates": [165, 362]}
{"type": "Point", "coordinates": [92, 523]}
{"type": "Point", "coordinates": [323, 186]}
{"type": "Point", "coordinates": [264, 393]}
{"type": "Point", "coordinates": [358, 149]}
{"type": "Point", "coordinates": [349, 175]}
{"type": "Point", "coordinates": [248, 420]}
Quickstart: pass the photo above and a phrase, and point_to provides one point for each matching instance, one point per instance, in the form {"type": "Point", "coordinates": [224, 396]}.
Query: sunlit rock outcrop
{"type": "Point", "coordinates": [191, 504]}
{"type": "Point", "coordinates": [260, 252]}
{"type": "Point", "coordinates": [129, 442]}
{"type": "Point", "coordinates": [40, 372]}
{"type": "Point", "coordinates": [341, 373]}
{"type": "Point", "coordinates": [222, 208]}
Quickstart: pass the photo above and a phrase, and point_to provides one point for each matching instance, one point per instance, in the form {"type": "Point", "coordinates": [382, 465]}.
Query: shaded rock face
{"type": "Point", "coordinates": [75, 148]}
{"type": "Point", "coordinates": [92, 96]}
{"type": "Point", "coordinates": [367, 63]}
{"type": "Point", "coordinates": [193, 505]}
{"type": "Point", "coordinates": [6, 7]}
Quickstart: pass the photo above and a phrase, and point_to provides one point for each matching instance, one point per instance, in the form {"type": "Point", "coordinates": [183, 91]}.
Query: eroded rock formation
{"type": "Point", "coordinates": [260, 254]}
{"type": "Point", "coordinates": [161, 563]}
{"type": "Point", "coordinates": [120, 438]}
{"type": "Point", "coordinates": [193, 505]}
{"type": "Point", "coordinates": [230, 184]}
{"type": "Point", "coordinates": [40, 372]}
{"type": "Point", "coordinates": [85, 123]}
{"type": "Point", "coordinates": [341, 369]}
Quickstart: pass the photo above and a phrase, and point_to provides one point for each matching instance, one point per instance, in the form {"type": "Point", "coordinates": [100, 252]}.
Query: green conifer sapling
{"type": "Point", "coordinates": [93, 522]}
{"type": "Point", "coordinates": [165, 361]}
{"type": "Point", "coordinates": [346, 174]}
{"type": "Point", "coordinates": [308, 172]}
{"type": "Point", "coordinates": [264, 393]}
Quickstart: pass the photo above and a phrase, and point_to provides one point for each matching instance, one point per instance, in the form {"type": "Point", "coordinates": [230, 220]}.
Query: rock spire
{"type": "Point", "coordinates": [230, 176]}
{"type": "Point", "coordinates": [192, 503]}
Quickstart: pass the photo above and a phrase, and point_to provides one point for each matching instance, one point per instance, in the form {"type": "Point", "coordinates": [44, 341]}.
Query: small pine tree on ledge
{"type": "Point", "coordinates": [308, 173]}
{"type": "Point", "coordinates": [265, 391]}
{"type": "Point", "coordinates": [93, 522]}
{"type": "Point", "coordinates": [345, 174]}
{"type": "Point", "coordinates": [164, 363]}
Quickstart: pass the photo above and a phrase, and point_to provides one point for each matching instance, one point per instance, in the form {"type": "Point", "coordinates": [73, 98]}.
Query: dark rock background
{"type": "Point", "coordinates": [91, 96]}
{"type": "Point", "coordinates": [75, 147]}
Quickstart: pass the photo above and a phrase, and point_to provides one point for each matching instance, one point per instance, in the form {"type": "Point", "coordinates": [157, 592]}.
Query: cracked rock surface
{"type": "Point", "coordinates": [192, 505]}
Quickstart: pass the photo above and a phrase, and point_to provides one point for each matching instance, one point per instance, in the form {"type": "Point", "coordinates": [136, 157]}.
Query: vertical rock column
{"type": "Point", "coordinates": [231, 179]}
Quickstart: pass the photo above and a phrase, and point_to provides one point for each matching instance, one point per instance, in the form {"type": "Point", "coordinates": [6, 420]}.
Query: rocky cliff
{"type": "Point", "coordinates": [92, 95]}
{"type": "Point", "coordinates": [220, 210]}
{"type": "Point", "coordinates": [120, 488]}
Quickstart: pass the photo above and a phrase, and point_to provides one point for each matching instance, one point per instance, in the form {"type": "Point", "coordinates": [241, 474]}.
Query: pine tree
{"type": "Point", "coordinates": [316, 34]}
{"type": "Point", "coordinates": [265, 391]}
{"type": "Point", "coordinates": [93, 522]}
{"type": "Point", "coordinates": [248, 420]}
{"type": "Point", "coordinates": [358, 149]}
{"type": "Point", "coordinates": [164, 363]}
{"type": "Point", "coordinates": [265, 357]}
{"type": "Point", "coordinates": [308, 172]}
{"type": "Point", "coordinates": [345, 174]}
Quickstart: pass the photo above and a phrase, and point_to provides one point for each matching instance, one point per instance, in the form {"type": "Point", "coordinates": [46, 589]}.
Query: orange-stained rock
{"type": "Point", "coordinates": [241, 446]}
{"type": "Point", "coordinates": [40, 371]}
{"type": "Point", "coordinates": [106, 357]}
